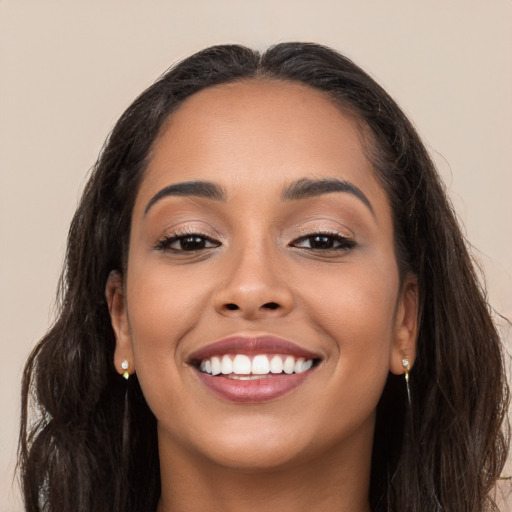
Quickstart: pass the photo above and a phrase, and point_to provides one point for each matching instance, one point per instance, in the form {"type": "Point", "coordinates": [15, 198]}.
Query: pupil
{"type": "Point", "coordinates": [322, 242]}
{"type": "Point", "coordinates": [192, 243]}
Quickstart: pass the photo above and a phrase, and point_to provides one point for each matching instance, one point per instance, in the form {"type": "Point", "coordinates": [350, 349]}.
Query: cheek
{"type": "Point", "coordinates": [354, 304]}
{"type": "Point", "coordinates": [163, 307]}
{"type": "Point", "coordinates": [355, 309]}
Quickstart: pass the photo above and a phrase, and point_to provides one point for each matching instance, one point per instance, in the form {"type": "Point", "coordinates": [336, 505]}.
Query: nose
{"type": "Point", "coordinates": [255, 286]}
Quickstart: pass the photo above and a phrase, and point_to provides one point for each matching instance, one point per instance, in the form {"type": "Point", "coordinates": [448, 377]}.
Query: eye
{"type": "Point", "coordinates": [324, 242]}
{"type": "Point", "coordinates": [186, 242]}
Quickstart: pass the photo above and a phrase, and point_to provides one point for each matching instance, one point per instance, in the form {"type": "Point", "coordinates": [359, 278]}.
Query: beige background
{"type": "Point", "coordinates": [68, 70]}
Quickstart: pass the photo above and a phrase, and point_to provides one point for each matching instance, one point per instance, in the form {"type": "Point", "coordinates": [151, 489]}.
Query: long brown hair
{"type": "Point", "coordinates": [92, 446]}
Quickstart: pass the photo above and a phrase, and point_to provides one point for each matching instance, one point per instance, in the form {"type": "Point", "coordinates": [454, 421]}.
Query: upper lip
{"type": "Point", "coordinates": [251, 344]}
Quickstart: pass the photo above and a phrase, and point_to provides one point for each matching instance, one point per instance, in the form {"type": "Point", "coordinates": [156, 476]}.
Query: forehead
{"type": "Point", "coordinates": [260, 110]}
{"type": "Point", "coordinates": [257, 131]}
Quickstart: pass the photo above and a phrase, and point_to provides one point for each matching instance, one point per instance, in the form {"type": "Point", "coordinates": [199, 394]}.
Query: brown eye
{"type": "Point", "coordinates": [192, 243]}
{"type": "Point", "coordinates": [324, 242]}
{"type": "Point", "coordinates": [186, 243]}
{"type": "Point", "coordinates": [321, 242]}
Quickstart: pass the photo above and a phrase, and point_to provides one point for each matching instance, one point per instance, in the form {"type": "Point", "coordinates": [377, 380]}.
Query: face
{"type": "Point", "coordinates": [262, 307]}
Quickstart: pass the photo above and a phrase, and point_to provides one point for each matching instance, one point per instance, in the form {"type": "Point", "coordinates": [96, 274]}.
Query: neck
{"type": "Point", "coordinates": [337, 481]}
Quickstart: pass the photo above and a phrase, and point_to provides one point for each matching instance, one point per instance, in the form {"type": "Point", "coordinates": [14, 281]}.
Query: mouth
{"type": "Point", "coordinates": [253, 369]}
{"type": "Point", "coordinates": [245, 367]}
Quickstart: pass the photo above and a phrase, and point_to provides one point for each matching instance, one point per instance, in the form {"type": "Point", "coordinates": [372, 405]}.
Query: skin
{"type": "Point", "coordinates": [310, 449]}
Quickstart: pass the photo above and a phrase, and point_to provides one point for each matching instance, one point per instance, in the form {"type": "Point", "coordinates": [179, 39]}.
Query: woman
{"type": "Point", "coordinates": [264, 251]}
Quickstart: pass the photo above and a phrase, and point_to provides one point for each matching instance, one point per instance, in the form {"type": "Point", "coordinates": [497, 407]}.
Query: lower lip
{"type": "Point", "coordinates": [253, 391]}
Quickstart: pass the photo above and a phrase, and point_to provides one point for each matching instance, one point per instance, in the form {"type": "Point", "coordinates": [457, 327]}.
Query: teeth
{"type": "Point", "coordinates": [216, 366]}
{"type": "Point", "coordinates": [289, 365]}
{"type": "Point", "coordinates": [242, 367]}
{"type": "Point", "coordinates": [276, 365]}
{"type": "Point", "coordinates": [245, 377]}
{"type": "Point", "coordinates": [260, 365]}
{"type": "Point", "coordinates": [306, 365]}
{"type": "Point", "coordinates": [298, 365]}
{"type": "Point", "coordinates": [227, 365]}
{"type": "Point", "coordinates": [302, 365]}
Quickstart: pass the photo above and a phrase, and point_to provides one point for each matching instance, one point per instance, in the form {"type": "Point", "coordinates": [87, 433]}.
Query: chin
{"type": "Point", "coordinates": [264, 443]}
{"type": "Point", "coordinates": [255, 454]}
{"type": "Point", "coordinates": [255, 443]}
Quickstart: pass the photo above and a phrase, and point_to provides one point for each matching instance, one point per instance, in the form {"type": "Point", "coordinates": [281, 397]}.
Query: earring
{"type": "Point", "coordinates": [405, 364]}
{"type": "Point", "coordinates": [125, 365]}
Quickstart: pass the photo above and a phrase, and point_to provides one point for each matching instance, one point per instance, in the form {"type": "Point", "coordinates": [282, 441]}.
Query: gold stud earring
{"type": "Point", "coordinates": [125, 365]}
{"type": "Point", "coordinates": [405, 364]}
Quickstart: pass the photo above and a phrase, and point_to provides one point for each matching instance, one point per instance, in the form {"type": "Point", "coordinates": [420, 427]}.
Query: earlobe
{"type": "Point", "coordinates": [123, 354]}
{"type": "Point", "coordinates": [406, 328]}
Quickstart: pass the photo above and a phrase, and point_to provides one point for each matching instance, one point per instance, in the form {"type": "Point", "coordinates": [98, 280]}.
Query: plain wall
{"type": "Point", "coordinates": [69, 69]}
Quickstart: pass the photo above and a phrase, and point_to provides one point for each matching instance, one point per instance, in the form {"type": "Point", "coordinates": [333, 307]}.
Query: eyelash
{"type": "Point", "coordinates": [165, 243]}
{"type": "Point", "coordinates": [343, 242]}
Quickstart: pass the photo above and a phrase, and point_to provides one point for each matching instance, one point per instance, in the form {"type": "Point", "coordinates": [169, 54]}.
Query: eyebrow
{"type": "Point", "coordinates": [306, 188]}
{"type": "Point", "coordinates": [300, 189]}
{"type": "Point", "coordinates": [205, 189]}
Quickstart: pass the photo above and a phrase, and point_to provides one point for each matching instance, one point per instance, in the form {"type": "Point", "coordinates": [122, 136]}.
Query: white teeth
{"type": "Point", "coordinates": [241, 367]}
{"type": "Point", "coordinates": [306, 365]}
{"type": "Point", "coordinates": [245, 377]}
{"type": "Point", "coordinates": [276, 365]}
{"type": "Point", "coordinates": [289, 365]}
{"type": "Point", "coordinates": [298, 365]}
{"type": "Point", "coordinates": [227, 365]}
{"type": "Point", "coordinates": [302, 366]}
{"type": "Point", "coordinates": [260, 365]}
{"type": "Point", "coordinates": [216, 366]}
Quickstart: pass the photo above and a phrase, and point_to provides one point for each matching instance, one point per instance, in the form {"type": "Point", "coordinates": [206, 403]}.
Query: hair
{"type": "Point", "coordinates": [91, 444]}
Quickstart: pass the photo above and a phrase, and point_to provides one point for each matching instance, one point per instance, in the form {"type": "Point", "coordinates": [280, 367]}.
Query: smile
{"type": "Point", "coordinates": [253, 369]}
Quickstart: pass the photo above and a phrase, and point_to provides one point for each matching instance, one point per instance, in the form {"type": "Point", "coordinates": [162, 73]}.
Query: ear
{"type": "Point", "coordinates": [116, 301]}
{"type": "Point", "coordinates": [406, 326]}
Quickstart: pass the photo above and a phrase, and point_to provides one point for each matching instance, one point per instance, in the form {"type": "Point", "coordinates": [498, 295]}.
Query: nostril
{"type": "Point", "coordinates": [269, 306]}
